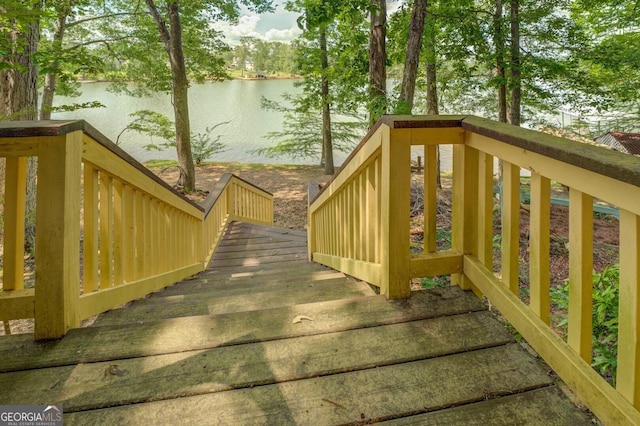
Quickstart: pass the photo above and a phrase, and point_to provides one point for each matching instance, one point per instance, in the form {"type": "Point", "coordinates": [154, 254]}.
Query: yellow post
{"type": "Point", "coordinates": [464, 206]}
{"type": "Point", "coordinates": [395, 212]}
{"type": "Point", "coordinates": [15, 188]}
{"type": "Point", "coordinates": [58, 235]}
{"type": "Point", "coordinates": [628, 381]}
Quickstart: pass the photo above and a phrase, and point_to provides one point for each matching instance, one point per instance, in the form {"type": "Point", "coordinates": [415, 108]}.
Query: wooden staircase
{"type": "Point", "coordinates": [266, 337]}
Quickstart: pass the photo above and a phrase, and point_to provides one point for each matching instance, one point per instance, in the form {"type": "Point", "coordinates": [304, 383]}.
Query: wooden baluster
{"type": "Point", "coordinates": [129, 240]}
{"type": "Point", "coordinates": [15, 189]}
{"type": "Point", "coordinates": [485, 210]}
{"type": "Point", "coordinates": [106, 231]}
{"type": "Point", "coordinates": [155, 240]}
{"type": "Point", "coordinates": [147, 231]}
{"type": "Point", "coordinates": [580, 272]}
{"type": "Point", "coordinates": [430, 198]}
{"type": "Point", "coordinates": [510, 216]}
{"type": "Point", "coordinates": [119, 233]}
{"type": "Point", "coordinates": [90, 241]}
{"type": "Point", "coordinates": [371, 226]}
{"type": "Point", "coordinates": [358, 225]}
{"type": "Point", "coordinates": [139, 225]}
{"type": "Point", "coordinates": [628, 377]}
{"type": "Point", "coordinates": [58, 235]}
{"type": "Point", "coordinates": [539, 234]}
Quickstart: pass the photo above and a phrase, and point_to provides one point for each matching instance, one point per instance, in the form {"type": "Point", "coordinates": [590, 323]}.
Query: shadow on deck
{"type": "Point", "coordinates": [266, 337]}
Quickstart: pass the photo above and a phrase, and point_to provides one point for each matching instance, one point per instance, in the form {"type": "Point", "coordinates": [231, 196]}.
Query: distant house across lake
{"type": "Point", "coordinates": [629, 143]}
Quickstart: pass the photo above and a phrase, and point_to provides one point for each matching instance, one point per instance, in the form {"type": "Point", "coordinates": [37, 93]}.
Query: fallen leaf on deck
{"type": "Point", "coordinates": [299, 318]}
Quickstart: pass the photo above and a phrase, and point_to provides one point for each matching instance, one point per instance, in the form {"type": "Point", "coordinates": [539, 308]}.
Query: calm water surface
{"type": "Point", "coordinates": [235, 101]}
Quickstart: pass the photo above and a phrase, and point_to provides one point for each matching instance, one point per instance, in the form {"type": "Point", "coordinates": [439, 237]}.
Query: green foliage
{"type": "Point", "coordinates": [159, 126]}
{"type": "Point", "coordinates": [443, 238]}
{"type": "Point", "coordinates": [346, 72]}
{"type": "Point", "coordinates": [153, 124]}
{"type": "Point", "coordinates": [604, 319]}
{"type": "Point", "coordinates": [301, 136]}
{"type": "Point", "coordinates": [76, 106]}
{"type": "Point", "coordinates": [204, 145]}
{"type": "Point", "coordinates": [435, 282]}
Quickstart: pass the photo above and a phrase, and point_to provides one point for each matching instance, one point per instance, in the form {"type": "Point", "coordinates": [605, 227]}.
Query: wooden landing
{"type": "Point", "coordinates": [266, 337]}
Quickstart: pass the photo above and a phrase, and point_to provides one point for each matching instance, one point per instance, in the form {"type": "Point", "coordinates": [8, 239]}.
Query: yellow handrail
{"type": "Point", "coordinates": [138, 234]}
{"type": "Point", "coordinates": [367, 203]}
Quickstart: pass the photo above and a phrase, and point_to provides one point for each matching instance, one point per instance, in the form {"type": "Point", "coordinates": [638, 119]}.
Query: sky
{"type": "Point", "coordinates": [280, 25]}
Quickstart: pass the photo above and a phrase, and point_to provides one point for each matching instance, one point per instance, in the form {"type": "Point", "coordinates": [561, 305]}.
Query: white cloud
{"type": "Point", "coordinates": [285, 35]}
{"type": "Point", "coordinates": [279, 26]}
{"type": "Point", "coordinates": [246, 27]}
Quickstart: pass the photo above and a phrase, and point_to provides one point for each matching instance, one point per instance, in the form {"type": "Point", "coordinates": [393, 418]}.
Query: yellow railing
{"type": "Point", "coordinates": [108, 230]}
{"type": "Point", "coordinates": [359, 223]}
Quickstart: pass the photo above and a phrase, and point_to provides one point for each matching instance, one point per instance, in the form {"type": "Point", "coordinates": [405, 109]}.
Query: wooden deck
{"type": "Point", "coordinates": [266, 337]}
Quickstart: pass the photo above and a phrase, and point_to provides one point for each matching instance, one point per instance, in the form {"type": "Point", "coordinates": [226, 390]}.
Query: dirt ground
{"type": "Point", "coordinates": [288, 184]}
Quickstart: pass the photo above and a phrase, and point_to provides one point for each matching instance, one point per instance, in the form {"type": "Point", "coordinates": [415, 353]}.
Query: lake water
{"type": "Point", "coordinates": [236, 101]}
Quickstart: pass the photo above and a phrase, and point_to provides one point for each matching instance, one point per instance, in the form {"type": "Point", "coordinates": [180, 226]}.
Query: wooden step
{"type": "Point", "coordinates": [205, 288]}
{"type": "Point", "coordinates": [210, 331]}
{"type": "Point", "coordinates": [264, 336]}
{"type": "Point", "coordinates": [221, 302]}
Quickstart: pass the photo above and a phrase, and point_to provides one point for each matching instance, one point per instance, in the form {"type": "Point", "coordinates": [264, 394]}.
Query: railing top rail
{"type": "Point", "coordinates": [397, 122]}
{"type": "Point", "coordinates": [25, 129]}
{"type": "Point", "coordinates": [31, 128]}
{"type": "Point", "coordinates": [218, 190]}
{"type": "Point", "coordinates": [613, 164]}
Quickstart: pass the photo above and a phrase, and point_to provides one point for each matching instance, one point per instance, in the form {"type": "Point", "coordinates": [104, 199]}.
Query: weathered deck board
{"type": "Point", "coordinates": [210, 331]}
{"type": "Point", "coordinates": [238, 357]}
{"type": "Point", "coordinates": [361, 396]}
{"type": "Point", "coordinates": [538, 407]}
{"type": "Point", "coordinates": [222, 302]}
{"type": "Point", "coordinates": [136, 380]}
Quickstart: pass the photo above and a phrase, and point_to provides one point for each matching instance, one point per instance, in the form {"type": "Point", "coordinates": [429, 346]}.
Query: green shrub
{"type": "Point", "coordinates": [604, 320]}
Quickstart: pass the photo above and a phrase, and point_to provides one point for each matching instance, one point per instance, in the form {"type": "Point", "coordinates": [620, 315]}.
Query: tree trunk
{"type": "Point", "coordinates": [19, 101]}
{"type": "Point", "coordinates": [172, 38]}
{"type": "Point", "coordinates": [49, 89]}
{"type": "Point", "coordinates": [414, 45]}
{"type": "Point", "coordinates": [515, 84]}
{"type": "Point", "coordinates": [378, 61]}
{"type": "Point", "coordinates": [430, 47]}
{"type": "Point", "coordinates": [500, 76]}
{"type": "Point", "coordinates": [432, 79]}
{"type": "Point", "coordinates": [327, 143]}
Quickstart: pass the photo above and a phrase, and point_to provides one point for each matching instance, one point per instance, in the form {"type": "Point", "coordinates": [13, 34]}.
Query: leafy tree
{"type": "Point", "coordinates": [171, 46]}
{"type": "Point", "coordinates": [72, 29]}
{"type": "Point", "coordinates": [332, 58]}
{"type": "Point", "coordinates": [608, 60]}
{"type": "Point", "coordinates": [315, 21]}
{"type": "Point", "coordinates": [19, 37]}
